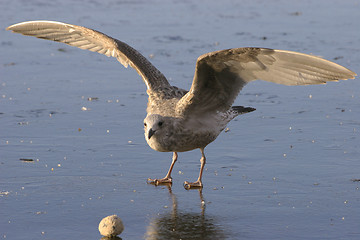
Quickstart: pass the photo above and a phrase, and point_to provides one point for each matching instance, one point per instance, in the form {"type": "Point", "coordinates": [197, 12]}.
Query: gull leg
{"type": "Point", "coordinates": [167, 178]}
{"type": "Point", "coordinates": [198, 183]}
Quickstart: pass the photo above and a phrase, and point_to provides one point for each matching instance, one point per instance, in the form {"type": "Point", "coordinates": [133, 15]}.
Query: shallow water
{"type": "Point", "coordinates": [284, 171]}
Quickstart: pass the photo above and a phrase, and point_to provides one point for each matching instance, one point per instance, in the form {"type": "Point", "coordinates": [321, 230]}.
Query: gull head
{"type": "Point", "coordinates": [154, 125]}
{"type": "Point", "coordinates": [157, 129]}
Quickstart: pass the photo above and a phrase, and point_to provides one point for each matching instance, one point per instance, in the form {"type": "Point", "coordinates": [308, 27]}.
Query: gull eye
{"type": "Point", "coordinates": [145, 124]}
{"type": "Point", "coordinates": [160, 124]}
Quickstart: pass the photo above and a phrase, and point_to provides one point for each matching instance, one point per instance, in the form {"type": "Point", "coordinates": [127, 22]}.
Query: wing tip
{"type": "Point", "coordinates": [354, 75]}
{"type": "Point", "coordinates": [13, 27]}
{"type": "Point", "coordinates": [348, 75]}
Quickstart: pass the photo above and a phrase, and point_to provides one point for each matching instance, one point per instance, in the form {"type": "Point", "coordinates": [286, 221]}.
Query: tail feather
{"type": "Point", "coordinates": [241, 109]}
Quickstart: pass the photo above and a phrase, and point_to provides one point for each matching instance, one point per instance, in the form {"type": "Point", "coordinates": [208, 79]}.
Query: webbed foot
{"type": "Point", "coordinates": [191, 185]}
{"type": "Point", "coordinates": [156, 182]}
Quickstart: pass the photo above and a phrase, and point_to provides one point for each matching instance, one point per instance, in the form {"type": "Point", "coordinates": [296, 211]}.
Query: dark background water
{"type": "Point", "coordinates": [285, 171]}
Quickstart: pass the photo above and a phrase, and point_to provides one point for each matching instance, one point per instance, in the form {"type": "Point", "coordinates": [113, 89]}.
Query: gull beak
{"type": "Point", "coordinates": [151, 132]}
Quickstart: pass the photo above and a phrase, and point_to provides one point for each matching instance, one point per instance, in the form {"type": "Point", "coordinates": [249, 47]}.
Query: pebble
{"type": "Point", "coordinates": [111, 226]}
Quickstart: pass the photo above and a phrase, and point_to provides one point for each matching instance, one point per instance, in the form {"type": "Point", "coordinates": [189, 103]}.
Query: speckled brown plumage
{"type": "Point", "coordinates": [178, 120]}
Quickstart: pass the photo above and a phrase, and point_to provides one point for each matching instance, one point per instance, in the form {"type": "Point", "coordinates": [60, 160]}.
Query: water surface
{"type": "Point", "coordinates": [284, 171]}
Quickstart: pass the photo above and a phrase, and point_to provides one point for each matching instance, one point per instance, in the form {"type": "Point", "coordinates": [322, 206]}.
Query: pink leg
{"type": "Point", "coordinates": [198, 183]}
{"type": "Point", "coordinates": [167, 178]}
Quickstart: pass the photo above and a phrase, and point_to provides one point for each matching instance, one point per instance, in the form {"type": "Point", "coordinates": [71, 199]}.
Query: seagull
{"type": "Point", "coordinates": [178, 120]}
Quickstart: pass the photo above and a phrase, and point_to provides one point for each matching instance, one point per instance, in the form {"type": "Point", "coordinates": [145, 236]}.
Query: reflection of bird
{"type": "Point", "coordinates": [179, 120]}
{"type": "Point", "coordinates": [176, 223]}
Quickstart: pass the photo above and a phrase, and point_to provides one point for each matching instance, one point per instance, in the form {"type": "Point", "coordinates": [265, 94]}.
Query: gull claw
{"type": "Point", "coordinates": [192, 185]}
{"type": "Point", "coordinates": [162, 181]}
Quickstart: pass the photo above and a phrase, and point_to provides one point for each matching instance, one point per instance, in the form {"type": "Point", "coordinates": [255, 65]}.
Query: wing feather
{"type": "Point", "coordinates": [219, 76]}
{"type": "Point", "coordinates": [94, 41]}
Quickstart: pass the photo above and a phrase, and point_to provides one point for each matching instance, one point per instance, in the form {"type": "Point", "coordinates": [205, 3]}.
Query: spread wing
{"type": "Point", "coordinates": [219, 76]}
{"type": "Point", "coordinates": [94, 41]}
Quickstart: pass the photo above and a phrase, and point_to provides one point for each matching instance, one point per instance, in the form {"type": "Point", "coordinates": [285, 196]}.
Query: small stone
{"type": "Point", "coordinates": [111, 226]}
{"type": "Point", "coordinates": [92, 99]}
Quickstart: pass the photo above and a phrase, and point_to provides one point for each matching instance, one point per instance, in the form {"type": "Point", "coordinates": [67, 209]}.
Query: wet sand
{"type": "Point", "coordinates": [289, 170]}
